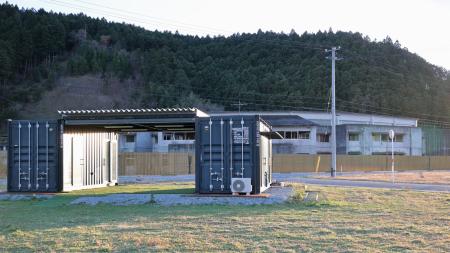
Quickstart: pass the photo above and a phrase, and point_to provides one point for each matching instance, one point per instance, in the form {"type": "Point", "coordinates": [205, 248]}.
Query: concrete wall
{"type": "Point", "coordinates": [143, 142]}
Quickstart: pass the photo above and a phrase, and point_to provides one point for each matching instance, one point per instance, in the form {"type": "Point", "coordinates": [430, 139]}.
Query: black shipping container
{"type": "Point", "coordinates": [33, 156]}
{"type": "Point", "coordinates": [231, 148]}
{"type": "Point", "coordinates": [46, 156]}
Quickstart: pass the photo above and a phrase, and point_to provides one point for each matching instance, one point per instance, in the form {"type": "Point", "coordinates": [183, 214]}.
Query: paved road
{"type": "Point", "coordinates": [352, 183]}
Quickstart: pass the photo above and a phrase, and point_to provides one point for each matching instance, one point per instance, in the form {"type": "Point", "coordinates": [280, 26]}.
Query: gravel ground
{"type": "Point", "coordinates": [278, 195]}
{"type": "Point", "coordinates": [18, 196]}
{"type": "Point", "coordinates": [155, 179]}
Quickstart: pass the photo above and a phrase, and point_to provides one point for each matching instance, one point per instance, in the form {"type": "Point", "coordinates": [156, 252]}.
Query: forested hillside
{"type": "Point", "coordinates": [265, 70]}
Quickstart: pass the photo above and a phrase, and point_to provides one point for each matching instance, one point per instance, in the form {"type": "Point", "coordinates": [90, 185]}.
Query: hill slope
{"type": "Point", "coordinates": [42, 54]}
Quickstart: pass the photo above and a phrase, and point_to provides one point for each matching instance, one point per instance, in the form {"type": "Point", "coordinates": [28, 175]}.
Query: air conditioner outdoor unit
{"type": "Point", "coordinates": [241, 185]}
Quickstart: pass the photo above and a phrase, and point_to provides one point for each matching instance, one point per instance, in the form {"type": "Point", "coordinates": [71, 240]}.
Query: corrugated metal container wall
{"type": "Point", "coordinates": [90, 158]}
{"type": "Point", "coordinates": [33, 157]}
{"type": "Point", "coordinates": [229, 147]}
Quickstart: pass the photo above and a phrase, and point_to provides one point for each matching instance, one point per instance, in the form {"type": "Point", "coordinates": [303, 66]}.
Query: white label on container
{"type": "Point", "coordinates": [237, 135]}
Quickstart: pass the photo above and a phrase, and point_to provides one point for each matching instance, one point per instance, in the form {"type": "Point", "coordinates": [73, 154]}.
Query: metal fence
{"type": "Point", "coordinates": [348, 163]}
{"type": "Point", "coordinates": [184, 163]}
{"type": "Point", "coordinates": [146, 163]}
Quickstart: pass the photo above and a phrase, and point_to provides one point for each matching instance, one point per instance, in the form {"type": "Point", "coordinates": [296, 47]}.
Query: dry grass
{"type": "Point", "coordinates": [423, 177]}
{"type": "Point", "coordinates": [350, 220]}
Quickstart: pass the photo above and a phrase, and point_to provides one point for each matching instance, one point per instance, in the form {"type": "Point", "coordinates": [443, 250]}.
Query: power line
{"type": "Point", "coordinates": [248, 101]}
{"type": "Point", "coordinates": [295, 44]}
{"type": "Point", "coordinates": [115, 15]}
{"type": "Point", "coordinates": [170, 21]}
{"type": "Point", "coordinates": [287, 43]}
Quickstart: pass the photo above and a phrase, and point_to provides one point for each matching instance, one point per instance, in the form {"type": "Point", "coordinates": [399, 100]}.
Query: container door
{"type": "Point", "coordinates": [113, 162]}
{"type": "Point", "coordinates": [106, 161]}
{"type": "Point", "coordinates": [225, 152]}
{"type": "Point", "coordinates": [264, 161]}
{"type": "Point", "coordinates": [214, 168]}
{"type": "Point", "coordinates": [33, 156]}
{"type": "Point", "coordinates": [240, 148]}
{"type": "Point", "coordinates": [78, 162]}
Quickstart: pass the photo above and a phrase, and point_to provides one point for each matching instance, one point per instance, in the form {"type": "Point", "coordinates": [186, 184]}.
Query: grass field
{"type": "Point", "coordinates": [422, 177]}
{"type": "Point", "coordinates": [346, 219]}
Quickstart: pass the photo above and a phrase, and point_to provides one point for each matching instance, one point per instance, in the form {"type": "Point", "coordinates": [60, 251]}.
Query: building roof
{"type": "Point", "coordinates": [286, 120]}
{"type": "Point", "coordinates": [143, 111]}
{"type": "Point", "coordinates": [153, 119]}
{"type": "Point", "coordinates": [324, 118]}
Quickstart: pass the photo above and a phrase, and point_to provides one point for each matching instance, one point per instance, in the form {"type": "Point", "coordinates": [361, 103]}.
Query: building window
{"type": "Point", "coordinates": [353, 136]}
{"type": "Point", "coordinates": [180, 136]}
{"type": "Point", "coordinates": [154, 138]}
{"type": "Point", "coordinates": [294, 135]}
{"type": "Point", "coordinates": [385, 137]}
{"type": "Point", "coordinates": [288, 135]}
{"type": "Point", "coordinates": [168, 136]}
{"type": "Point", "coordinates": [323, 138]}
{"type": "Point", "coordinates": [398, 138]}
{"type": "Point", "coordinates": [129, 138]}
{"type": "Point", "coordinates": [376, 137]}
{"type": "Point", "coordinates": [190, 136]}
{"type": "Point", "coordinates": [303, 135]}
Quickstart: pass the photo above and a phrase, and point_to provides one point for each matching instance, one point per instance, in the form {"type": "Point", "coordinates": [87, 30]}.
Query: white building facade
{"type": "Point", "coordinates": [356, 134]}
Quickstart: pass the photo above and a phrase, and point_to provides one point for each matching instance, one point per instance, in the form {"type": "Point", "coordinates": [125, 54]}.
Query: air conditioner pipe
{"type": "Point", "coordinates": [46, 169]}
{"type": "Point", "coordinates": [221, 151]}
{"type": "Point", "coordinates": [210, 180]}
{"type": "Point", "coordinates": [242, 147]}
{"type": "Point", "coordinates": [37, 155]}
{"type": "Point", "coordinates": [210, 156]}
{"type": "Point", "coordinates": [221, 179]}
{"type": "Point", "coordinates": [20, 169]}
{"type": "Point", "coordinates": [231, 151]}
{"type": "Point", "coordinates": [29, 155]}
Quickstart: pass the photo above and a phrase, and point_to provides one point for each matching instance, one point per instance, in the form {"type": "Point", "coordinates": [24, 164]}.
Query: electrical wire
{"type": "Point", "coordinates": [294, 44]}
{"type": "Point", "coordinates": [287, 43]}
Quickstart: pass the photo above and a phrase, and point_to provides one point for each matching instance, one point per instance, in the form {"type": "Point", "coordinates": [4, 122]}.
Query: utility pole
{"type": "Point", "coordinates": [333, 108]}
{"type": "Point", "coordinates": [239, 104]}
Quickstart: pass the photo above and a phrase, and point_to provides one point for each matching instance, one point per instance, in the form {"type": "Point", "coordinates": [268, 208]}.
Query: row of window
{"type": "Point", "coordinates": [179, 136]}
{"type": "Point", "coordinates": [384, 137]}
{"type": "Point", "coordinates": [376, 137]}
{"type": "Point", "coordinates": [130, 138]}
{"type": "Point", "coordinates": [302, 135]}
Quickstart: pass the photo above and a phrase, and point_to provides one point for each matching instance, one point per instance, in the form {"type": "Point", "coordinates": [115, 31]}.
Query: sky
{"type": "Point", "coordinates": [423, 26]}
